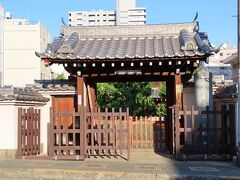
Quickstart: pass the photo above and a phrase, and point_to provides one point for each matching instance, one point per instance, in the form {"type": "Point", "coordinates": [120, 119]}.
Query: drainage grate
{"type": "Point", "coordinates": [95, 166]}
{"type": "Point", "coordinates": [203, 169]}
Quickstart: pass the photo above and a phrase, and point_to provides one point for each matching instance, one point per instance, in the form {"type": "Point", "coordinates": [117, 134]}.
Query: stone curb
{"type": "Point", "coordinates": [59, 174]}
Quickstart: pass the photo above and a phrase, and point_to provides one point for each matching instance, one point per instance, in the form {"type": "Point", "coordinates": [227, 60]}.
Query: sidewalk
{"type": "Point", "coordinates": [143, 166]}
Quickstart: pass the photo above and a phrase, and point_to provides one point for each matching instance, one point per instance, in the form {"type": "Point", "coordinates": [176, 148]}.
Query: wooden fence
{"type": "Point", "coordinates": [147, 132]}
{"type": "Point", "coordinates": [204, 131]}
{"type": "Point", "coordinates": [76, 135]}
{"type": "Point", "coordinates": [28, 132]}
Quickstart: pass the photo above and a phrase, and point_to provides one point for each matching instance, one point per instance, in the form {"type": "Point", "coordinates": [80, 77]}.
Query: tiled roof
{"type": "Point", "coordinates": [22, 94]}
{"type": "Point", "coordinates": [55, 85]}
{"type": "Point", "coordinates": [226, 91]}
{"type": "Point", "coordinates": [127, 42]}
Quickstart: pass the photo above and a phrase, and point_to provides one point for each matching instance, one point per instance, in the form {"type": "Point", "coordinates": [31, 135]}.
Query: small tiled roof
{"type": "Point", "coordinates": [226, 91]}
{"type": "Point", "coordinates": [55, 85]}
{"type": "Point", "coordinates": [22, 94]}
{"type": "Point", "coordinates": [127, 42]}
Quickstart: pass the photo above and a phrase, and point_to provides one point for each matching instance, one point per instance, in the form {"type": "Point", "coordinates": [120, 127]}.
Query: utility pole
{"type": "Point", "coordinates": [1, 46]}
{"type": "Point", "coordinates": [238, 73]}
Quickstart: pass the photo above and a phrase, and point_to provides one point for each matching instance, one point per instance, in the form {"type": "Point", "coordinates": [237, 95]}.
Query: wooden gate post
{"type": "Point", "coordinates": [92, 95]}
{"type": "Point", "coordinates": [79, 92]}
{"type": "Point", "coordinates": [128, 135]}
{"type": "Point", "coordinates": [176, 133]}
{"type": "Point", "coordinates": [50, 133]}
{"type": "Point", "coordinates": [19, 150]}
{"type": "Point", "coordinates": [83, 133]}
{"type": "Point", "coordinates": [174, 97]}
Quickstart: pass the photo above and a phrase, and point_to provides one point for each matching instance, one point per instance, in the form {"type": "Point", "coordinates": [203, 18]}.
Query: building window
{"type": "Point", "coordinates": [91, 15]}
{"type": "Point", "coordinates": [221, 54]}
{"type": "Point", "coordinates": [91, 20]}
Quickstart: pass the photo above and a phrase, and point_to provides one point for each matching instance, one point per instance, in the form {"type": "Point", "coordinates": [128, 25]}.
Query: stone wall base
{"type": "Point", "coordinates": [6, 154]}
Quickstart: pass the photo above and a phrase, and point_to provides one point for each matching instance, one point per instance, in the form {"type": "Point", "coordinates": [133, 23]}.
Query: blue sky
{"type": "Point", "coordinates": [215, 16]}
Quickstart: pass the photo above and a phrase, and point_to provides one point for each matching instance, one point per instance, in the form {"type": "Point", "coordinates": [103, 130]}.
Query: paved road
{"type": "Point", "coordinates": [148, 166]}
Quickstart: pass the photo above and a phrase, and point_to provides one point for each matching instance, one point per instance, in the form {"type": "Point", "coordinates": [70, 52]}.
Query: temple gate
{"type": "Point", "coordinates": [167, 53]}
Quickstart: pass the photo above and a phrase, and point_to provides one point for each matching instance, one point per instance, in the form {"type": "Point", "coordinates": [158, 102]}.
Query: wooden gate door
{"type": "Point", "coordinates": [108, 133]}
{"type": "Point", "coordinates": [75, 135]}
{"type": "Point", "coordinates": [63, 104]}
{"type": "Point", "coordinates": [64, 129]}
{"type": "Point", "coordinates": [28, 132]}
{"type": "Point", "coordinates": [148, 132]}
{"type": "Point", "coordinates": [204, 132]}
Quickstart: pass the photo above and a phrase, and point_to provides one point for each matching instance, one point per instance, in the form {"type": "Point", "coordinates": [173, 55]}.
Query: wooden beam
{"type": "Point", "coordinates": [93, 90]}
{"type": "Point", "coordinates": [179, 89]}
{"type": "Point", "coordinates": [79, 92]}
{"type": "Point", "coordinates": [89, 98]}
{"type": "Point", "coordinates": [128, 78]}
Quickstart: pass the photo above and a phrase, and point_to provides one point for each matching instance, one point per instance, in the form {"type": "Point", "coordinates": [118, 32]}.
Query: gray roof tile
{"type": "Point", "coordinates": [148, 44]}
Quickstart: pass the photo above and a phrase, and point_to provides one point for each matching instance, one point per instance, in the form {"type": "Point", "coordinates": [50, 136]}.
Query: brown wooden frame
{"type": "Point", "coordinates": [203, 131]}
{"type": "Point", "coordinates": [147, 132]}
{"type": "Point", "coordinates": [28, 132]}
{"type": "Point", "coordinates": [100, 133]}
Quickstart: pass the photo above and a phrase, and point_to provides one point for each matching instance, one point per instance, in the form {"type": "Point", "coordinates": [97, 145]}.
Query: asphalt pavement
{"type": "Point", "coordinates": [144, 165]}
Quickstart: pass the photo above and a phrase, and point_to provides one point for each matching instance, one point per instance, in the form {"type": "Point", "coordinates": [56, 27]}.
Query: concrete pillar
{"type": "Point", "coordinates": [203, 89]}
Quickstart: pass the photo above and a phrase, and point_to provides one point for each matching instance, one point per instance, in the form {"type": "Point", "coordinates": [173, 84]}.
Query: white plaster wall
{"type": "Point", "coordinates": [45, 119]}
{"type": "Point", "coordinates": [8, 127]}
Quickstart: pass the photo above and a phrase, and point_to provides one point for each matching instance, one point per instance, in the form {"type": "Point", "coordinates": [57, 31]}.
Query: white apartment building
{"type": "Point", "coordinates": [92, 18]}
{"type": "Point", "coordinates": [224, 52]}
{"type": "Point", "coordinates": [126, 14]}
{"type": "Point", "coordinates": [21, 40]}
{"type": "Point", "coordinates": [216, 63]}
